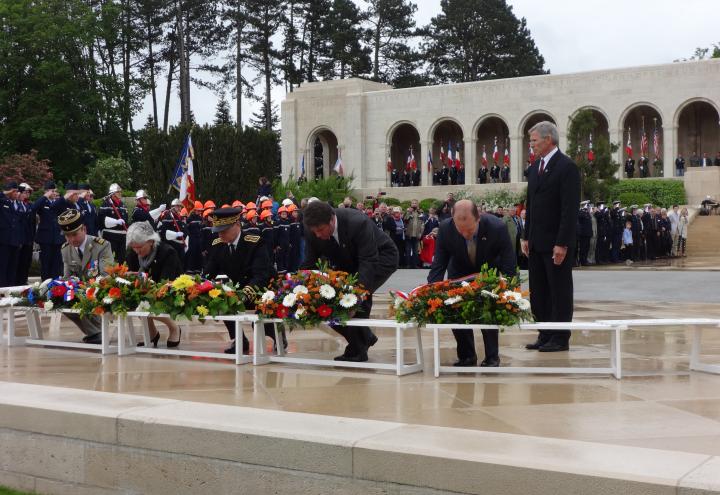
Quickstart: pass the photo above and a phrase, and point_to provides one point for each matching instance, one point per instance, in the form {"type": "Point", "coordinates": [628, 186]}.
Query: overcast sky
{"type": "Point", "coordinates": [572, 35]}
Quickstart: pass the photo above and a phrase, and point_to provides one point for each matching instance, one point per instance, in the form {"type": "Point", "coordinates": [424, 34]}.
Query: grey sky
{"type": "Point", "coordinates": [572, 35]}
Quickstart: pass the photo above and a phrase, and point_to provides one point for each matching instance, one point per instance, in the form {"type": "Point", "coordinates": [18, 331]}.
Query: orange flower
{"type": "Point", "coordinates": [98, 310]}
{"type": "Point", "coordinates": [115, 293]}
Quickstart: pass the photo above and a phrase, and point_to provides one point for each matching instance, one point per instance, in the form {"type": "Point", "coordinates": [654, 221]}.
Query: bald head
{"type": "Point", "coordinates": [465, 216]}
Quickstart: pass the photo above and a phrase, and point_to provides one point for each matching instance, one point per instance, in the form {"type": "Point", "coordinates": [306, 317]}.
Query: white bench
{"type": "Point", "coordinates": [8, 318]}
{"type": "Point", "coordinates": [37, 336]}
{"type": "Point", "coordinates": [614, 369]}
{"type": "Point", "coordinates": [697, 325]}
{"type": "Point", "coordinates": [128, 342]}
{"type": "Point", "coordinates": [260, 357]}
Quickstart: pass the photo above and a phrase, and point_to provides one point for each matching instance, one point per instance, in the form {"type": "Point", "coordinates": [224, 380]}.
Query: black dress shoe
{"type": "Point", "coordinates": [174, 343]}
{"type": "Point", "coordinates": [354, 358]}
{"type": "Point", "coordinates": [93, 339]}
{"type": "Point", "coordinates": [464, 362]}
{"type": "Point", "coordinates": [490, 363]}
{"type": "Point", "coordinates": [535, 345]}
{"type": "Point", "coordinates": [231, 349]}
{"type": "Point", "coordinates": [154, 341]}
{"type": "Point", "coordinates": [554, 347]}
{"type": "Point", "coordinates": [373, 340]}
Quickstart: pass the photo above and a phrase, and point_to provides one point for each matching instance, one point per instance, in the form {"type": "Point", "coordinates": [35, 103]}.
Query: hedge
{"type": "Point", "coordinates": [659, 192]}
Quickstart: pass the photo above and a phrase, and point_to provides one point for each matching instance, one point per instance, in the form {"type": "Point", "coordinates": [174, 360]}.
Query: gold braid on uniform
{"type": "Point", "coordinates": [249, 292]}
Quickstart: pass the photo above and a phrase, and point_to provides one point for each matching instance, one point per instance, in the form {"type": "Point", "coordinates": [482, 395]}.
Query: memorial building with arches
{"type": "Point", "coordinates": [372, 128]}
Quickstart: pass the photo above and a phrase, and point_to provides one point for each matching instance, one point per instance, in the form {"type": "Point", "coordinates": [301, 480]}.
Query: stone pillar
{"type": "Point", "coordinates": [618, 156]}
{"type": "Point", "coordinates": [516, 158]}
{"type": "Point", "coordinates": [670, 144]}
{"type": "Point", "coordinates": [353, 146]}
{"type": "Point", "coordinates": [425, 175]}
{"type": "Point", "coordinates": [290, 155]}
{"type": "Point", "coordinates": [469, 159]}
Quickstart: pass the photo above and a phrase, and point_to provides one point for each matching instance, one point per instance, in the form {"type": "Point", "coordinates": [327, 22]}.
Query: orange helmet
{"type": "Point", "coordinates": [183, 212]}
{"type": "Point", "coordinates": [282, 209]}
{"type": "Point", "coordinates": [250, 206]}
{"type": "Point", "coordinates": [199, 206]}
{"type": "Point", "coordinates": [265, 214]}
{"type": "Point", "coordinates": [225, 206]}
{"type": "Point", "coordinates": [266, 204]}
{"type": "Point", "coordinates": [210, 204]}
{"type": "Point", "coordinates": [291, 208]}
{"type": "Point", "coordinates": [237, 204]}
{"type": "Point", "coordinates": [207, 213]}
{"type": "Point", "coordinates": [250, 215]}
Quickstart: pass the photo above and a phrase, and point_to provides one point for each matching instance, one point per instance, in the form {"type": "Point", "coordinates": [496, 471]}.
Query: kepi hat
{"type": "Point", "coordinates": [70, 221]}
{"type": "Point", "coordinates": [224, 218]}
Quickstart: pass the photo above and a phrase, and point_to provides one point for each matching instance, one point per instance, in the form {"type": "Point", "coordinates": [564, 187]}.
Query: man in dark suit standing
{"type": "Point", "coordinates": [350, 242]}
{"type": "Point", "coordinates": [464, 243]}
{"type": "Point", "coordinates": [630, 167]}
{"type": "Point", "coordinates": [549, 239]}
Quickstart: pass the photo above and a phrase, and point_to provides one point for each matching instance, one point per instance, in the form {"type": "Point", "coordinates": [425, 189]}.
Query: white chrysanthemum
{"type": "Point", "coordinates": [299, 312]}
{"type": "Point", "coordinates": [121, 280]}
{"type": "Point", "coordinates": [289, 300]}
{"type": "Point", "coordinates": [523, 304]}
{"type": "Point", "coordinates": [300, 289]}
{"type": "Point", "coordinates": [49, 305]}
{"type": "Point", "coordinates": [108, 300]}
{"type": "Point", "coordinates": [327, 291]}
{"type": "Point", "coordinates": [268, 296]}
{"type": "Point", "coordinates": [143, 306]}
{"type": "Point", "coordinates": [348, 300]}
{"type": "Point", "coordinates": [487, 293]}
{"type": "Point", "coordinates": [452, 300]}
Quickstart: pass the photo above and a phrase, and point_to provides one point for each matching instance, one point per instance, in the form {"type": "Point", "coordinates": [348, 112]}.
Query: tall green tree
{"type": "Point", "coordinates": [473, 40]}
{"type": "Point", "coordinates": [391, 26]}
{"type": "Point", "coordinates": [597, 175]}
{"type": "Point", "coordinates": [222, 112]}
{"type": "Point", "coordinates": [345, 53]}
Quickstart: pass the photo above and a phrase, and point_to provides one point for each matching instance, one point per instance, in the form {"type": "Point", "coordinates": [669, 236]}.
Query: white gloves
{"type": "Point", "coordinates": [113, 222]}
{"type": "Point", "coordinates": [173, 236]}
{"type": "Point", "coordinates": [155, 214]}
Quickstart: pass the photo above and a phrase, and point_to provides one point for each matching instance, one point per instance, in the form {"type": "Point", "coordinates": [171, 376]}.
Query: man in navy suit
{"type": "Point", "coordinates": [464, 243]}
{"type": "Point", "coordinates": [549, 238]}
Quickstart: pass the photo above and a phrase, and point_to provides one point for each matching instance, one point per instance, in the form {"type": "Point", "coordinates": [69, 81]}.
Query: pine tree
{"type": "Point", "coordinates": [265, 16]}
{"type": "Point", "coordinates": [313, 37]}
{"type": "Point", "coordinates": [598, 175]}
{"type": "Point", "coordinates": [344, 54]}
{"type": "Point", "coordinates": [472, 40]}
{"type": "Point", "coordinates": [222, 112]}
{"type": "Point", "coordinates": [260, 119]}
{"type": "Point", "coordinates": [391, 27]}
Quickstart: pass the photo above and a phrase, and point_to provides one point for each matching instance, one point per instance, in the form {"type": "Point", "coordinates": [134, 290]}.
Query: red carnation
{"type": "Point", "coordinates": [204, 287]}
{"type": "Point", "coordinates": [281, 311]}
{"type": "Point", "coordinates": [324, 311]}
{"type": "Point", "coordinates": [58, 291]}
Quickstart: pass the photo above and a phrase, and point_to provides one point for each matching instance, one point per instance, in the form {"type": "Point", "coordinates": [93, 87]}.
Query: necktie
{"type": "Point", "coordinates": [232, 249]}
{"type": "Point", "coordinates": [80, 253]}
{"type": "Point", "coordinates": [542, 166]}
{"type": "Point", "coordinates": [472, 250]}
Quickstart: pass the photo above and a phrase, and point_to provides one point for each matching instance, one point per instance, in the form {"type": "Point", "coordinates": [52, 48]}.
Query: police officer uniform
{"type": "Point", "coordinates": [584, 233]}
{"type": "Point", "coordinates": [617, 219]}
{"type": "Point", "coordinates": [194, 257]}
{"type": "Point", "coordinates": [244, 261]}
{"type": "Point", "coordinates": [92, 257]}
{"type": "Point", "coordinates": [113, 219]}
{"type": "Point", "coordinates": [89, 212]}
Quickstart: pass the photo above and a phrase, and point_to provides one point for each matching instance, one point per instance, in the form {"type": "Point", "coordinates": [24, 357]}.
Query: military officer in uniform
{"type": "Point", "coordinates": [483, 174]}
{"type": "Point", "coordinates": [617, 220]}
{"type": "Point", "coordinates": [584, 233]}
{"type": "Point", "coordinates": [48, 235]}
{"type": "Point", "coordinates": [505, 173]}
{"type": "Point", "coordinates": [113, 219]}
{"type": "Point", "coordinates": [243, 258]}
{"type": "Point", "coordinates": [495, 174]}
{"type": "Point", "coordinates": [630, 167]}
{"type": "Point", "coordinates": [644, 167]}
{"type": "Point", "coordinates": [173, 229]}
{"type": "Point", "coordinates": [88, 210]}
{"type": "Point", "coordinates": [10, 237]}
{"type": "Point", "coordinates": [27, 221]}
{"type": "Point", "coordinates": [83, 256]}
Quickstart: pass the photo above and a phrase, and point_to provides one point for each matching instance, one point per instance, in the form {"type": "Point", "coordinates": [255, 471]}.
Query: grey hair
{"type": "Point", "coordinates": [140, 233]}
{"type": "Point", "coordinates": [545, 129]}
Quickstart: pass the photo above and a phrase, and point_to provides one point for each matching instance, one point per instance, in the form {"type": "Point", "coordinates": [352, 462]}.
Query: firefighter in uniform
{"type": "Point", "coordinates": [113, 219]}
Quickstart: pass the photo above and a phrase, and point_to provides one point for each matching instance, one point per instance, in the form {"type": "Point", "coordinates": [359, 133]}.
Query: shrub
{"type": "Point", "coordinates": [427, 203]}
{"type": "Point", "coordinates": [107, 171]}
{"type": "Point", "coordinates": [659, 192]}
{"type": "Point", "coordinates": [633, 198]}
{"type": "Point", "coordinates": [26, 168]}
{"type": "Point", "coordinates": [333, 189]}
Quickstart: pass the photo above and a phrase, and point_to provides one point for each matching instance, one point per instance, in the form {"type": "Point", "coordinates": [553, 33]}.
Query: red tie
{"type": "Point", "coordinates": [542, 166]}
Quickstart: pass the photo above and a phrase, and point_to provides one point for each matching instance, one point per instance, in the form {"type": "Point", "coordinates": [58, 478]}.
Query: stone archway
{"type": "Point", "coordinates": [447, 133]}
{"type": "Point", "coordinates": [324, 146]}
{"type": "Point", "coordinates": [602, 125]}
{"type": "Point", "coordinates": [490, 130]}
{"type": "Point", "coordinates": [530, 121]}
{"type": "Point", "coordinates": [405, 138]}
{"type": "Point", "coordinates": [641, 123]}
{"type": "Point", "coordinates": [698, 131]}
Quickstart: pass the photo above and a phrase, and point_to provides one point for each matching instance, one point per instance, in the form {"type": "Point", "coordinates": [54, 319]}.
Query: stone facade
{"type": "Point", "coordinates": [358, 118]}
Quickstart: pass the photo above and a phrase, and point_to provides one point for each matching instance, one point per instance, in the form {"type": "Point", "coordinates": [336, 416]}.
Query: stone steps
{"type": "Point", "coordinates": [704, 237]}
